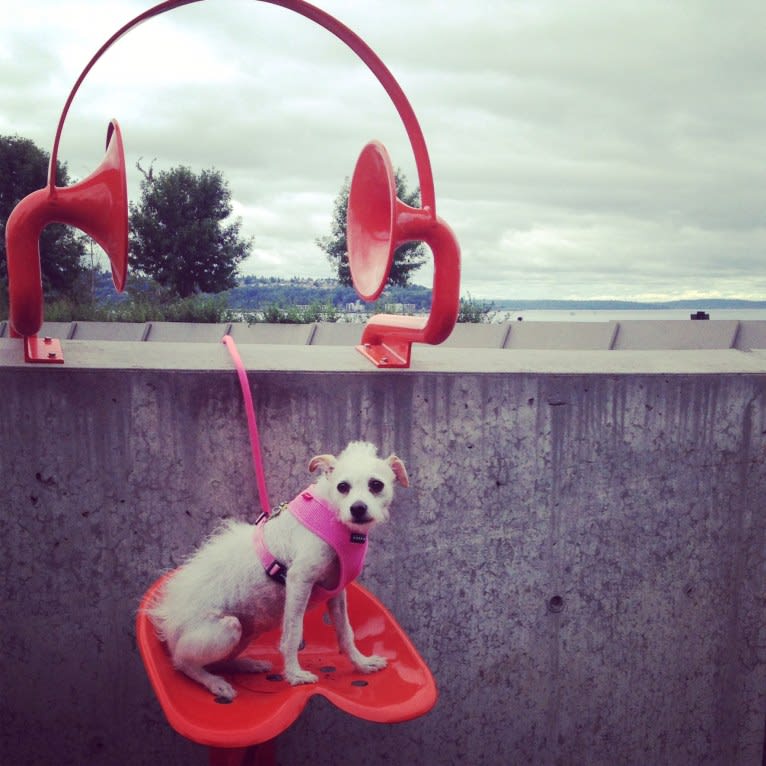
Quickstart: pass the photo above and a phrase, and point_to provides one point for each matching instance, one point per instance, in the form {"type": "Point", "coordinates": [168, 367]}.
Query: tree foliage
{"type": "Point", "coordinates": [407, 258]}
{"type": "Point", "coordinates": [23, 170]}
{"type": "Point", "coordinates": [179, 234]}
{"type": "Point", "coordinates": [259, 292]}
{"type": "Point", "coordinates": [471, 310]}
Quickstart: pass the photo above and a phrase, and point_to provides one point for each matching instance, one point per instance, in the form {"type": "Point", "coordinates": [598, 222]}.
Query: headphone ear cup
{"type": "Point", "coordinates": [98, 205]}
{"type": "Point", "coordinates": [370, 221]}
{"type": "Point", "coordinates": [377, 223]}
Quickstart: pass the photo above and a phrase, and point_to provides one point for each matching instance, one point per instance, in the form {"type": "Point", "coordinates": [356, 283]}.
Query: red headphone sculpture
{"type": "Point", "coordinates": [377, 223]}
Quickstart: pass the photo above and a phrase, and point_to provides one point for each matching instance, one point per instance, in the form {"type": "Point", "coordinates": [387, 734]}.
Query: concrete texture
{"type": "Point", "coordinates": [580, 558]}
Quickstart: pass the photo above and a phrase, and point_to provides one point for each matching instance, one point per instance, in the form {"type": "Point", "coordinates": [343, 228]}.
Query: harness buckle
{"type": "Point", "coordinates": [277, 571]}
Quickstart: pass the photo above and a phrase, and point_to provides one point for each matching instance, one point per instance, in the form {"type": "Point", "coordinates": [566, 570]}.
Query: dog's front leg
{"type": "Point", "coordinates": [339, 615]}
{"type": "Point", "coordinates": [298, 591]}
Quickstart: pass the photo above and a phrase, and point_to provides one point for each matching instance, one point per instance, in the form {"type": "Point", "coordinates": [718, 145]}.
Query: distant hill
{"type": "Point", "coordinates": [254, 293]}
{"type": "Point", "coordinates": [258, 292]}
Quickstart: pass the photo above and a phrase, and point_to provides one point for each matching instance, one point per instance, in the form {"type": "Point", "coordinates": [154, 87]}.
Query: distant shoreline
{"type": "Point", "coordinates": [619, 305]}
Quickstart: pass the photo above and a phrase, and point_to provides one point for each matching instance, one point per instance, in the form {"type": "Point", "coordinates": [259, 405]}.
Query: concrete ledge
{"type": "Point", "coordinates": [638, 334]}
{"type": "Point", "coordinates": [644, 334]}
{"type": "Point", "coordinates": [564, 335]}
{"type": "Point", "coordinates": [186, 356]}
{"type": "Point", "coordinates": [477, 336]}
{"type": "Point", "coordinates": [272, 334]}
{"type": "Point", "coordinates": [751, 335]}
{"type": "Point", "coordinates": [177, 331]}
{"type": "Point", "coordinates": [100, 331]}
{"type": "Point", "coordinates": [336, 334]}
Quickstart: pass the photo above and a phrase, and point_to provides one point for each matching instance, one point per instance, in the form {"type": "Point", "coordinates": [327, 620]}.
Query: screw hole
{"type": "Point", "coordinates": [556, 604]}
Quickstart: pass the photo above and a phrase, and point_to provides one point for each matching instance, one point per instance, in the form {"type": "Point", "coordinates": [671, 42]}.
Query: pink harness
{"type": "Point", "coordinates": [350, 547]}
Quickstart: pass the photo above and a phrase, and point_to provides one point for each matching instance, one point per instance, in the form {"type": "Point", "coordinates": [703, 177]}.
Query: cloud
{"type": "Point", "coordinates": [578, 149]}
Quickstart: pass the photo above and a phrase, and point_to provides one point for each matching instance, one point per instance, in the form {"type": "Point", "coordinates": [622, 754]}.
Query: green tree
{"type": "Point", "coordinates": [179, 234]}
{"type": "Point", "coordinates": [407, 258]}
{"type": "Point", "coordinates": [23, 170]}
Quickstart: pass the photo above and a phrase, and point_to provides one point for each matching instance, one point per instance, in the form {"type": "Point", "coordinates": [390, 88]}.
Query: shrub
{"type": "Point", "coordinates": [473, 311]}
{"type": "Point", "coordinates": [316, 312]}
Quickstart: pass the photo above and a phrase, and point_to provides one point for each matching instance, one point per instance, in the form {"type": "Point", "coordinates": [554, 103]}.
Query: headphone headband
{"type": "Point", "coordinates": [378, 222]}
{"type": "Point", "coordinates": [342, 32]}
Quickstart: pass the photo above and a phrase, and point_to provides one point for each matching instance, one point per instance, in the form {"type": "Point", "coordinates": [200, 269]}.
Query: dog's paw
{"type": "Point", "coordinates": [221, 689]}
{"type": "Point", "coordinates": [370, 664]}
{"type": "Point", "coordinates": [297, 677]}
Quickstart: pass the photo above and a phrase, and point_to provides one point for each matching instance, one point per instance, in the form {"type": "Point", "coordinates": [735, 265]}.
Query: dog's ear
{"type": "Point", "coordinates": [325, 462]}
{"type": "Point", "coordinates": [397, 466]}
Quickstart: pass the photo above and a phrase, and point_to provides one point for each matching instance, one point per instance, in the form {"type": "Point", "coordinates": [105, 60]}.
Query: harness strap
{"type": "Point", "coordinates": [273, 567]}
{"type": "Point", "coordinates": [252, 426]}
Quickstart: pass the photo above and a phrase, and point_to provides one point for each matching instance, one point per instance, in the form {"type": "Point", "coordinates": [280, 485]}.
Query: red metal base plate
{"type": "Point", "coordinates": [390, 354]}
{"type": "Point", "coordinates": [43, 350]}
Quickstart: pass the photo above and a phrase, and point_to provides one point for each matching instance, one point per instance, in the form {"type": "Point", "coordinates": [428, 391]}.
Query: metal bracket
{"type": "Point", "coordinates": [389, 354]}
{"type": "Point", "coordinates": [43, 351]}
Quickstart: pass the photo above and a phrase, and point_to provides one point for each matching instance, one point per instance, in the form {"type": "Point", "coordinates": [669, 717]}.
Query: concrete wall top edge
{"type": "Point", "coordinates": [186, 356]}
{"type": "Point", "coordinates": [631, 334]}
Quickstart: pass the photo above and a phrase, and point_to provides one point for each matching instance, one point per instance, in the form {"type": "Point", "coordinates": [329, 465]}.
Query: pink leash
{"type": "Point", "coordinates": [252, 426]}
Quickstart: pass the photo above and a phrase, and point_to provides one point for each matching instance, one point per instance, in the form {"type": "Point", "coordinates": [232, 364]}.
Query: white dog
{"type": "Point", "coordinates": [250, 577]}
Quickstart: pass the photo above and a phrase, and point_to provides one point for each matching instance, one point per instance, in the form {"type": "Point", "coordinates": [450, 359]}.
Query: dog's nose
{"type": "Point", "coordinates": [358, 510]}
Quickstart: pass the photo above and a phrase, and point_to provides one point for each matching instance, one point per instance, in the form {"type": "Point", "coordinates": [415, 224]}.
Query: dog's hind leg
{"type": "Point", "coordinates": [206, 643]}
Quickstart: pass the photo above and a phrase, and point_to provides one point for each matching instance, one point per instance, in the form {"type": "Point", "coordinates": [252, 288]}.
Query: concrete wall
{"type": "Point", "coordinates": [627, 486]}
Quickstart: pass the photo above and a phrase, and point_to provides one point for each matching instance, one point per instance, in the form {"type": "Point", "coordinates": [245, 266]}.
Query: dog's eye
{"type": "Point", "coordinates": [344, 488]}
{"type": "Point", "coordinates": [376, 486]}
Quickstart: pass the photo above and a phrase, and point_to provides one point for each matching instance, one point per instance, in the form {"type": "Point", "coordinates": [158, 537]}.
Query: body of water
{"type": "Point", "coordinates": [609, 315]}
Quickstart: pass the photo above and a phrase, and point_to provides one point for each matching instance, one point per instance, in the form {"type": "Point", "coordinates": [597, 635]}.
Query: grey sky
{"type": "Point", "coordinates": [580, 149]}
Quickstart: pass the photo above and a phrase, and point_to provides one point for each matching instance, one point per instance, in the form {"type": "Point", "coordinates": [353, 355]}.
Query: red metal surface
{"type": "Point", "coordinates": [98, 205]}
{"type": "Point", "coordinates": [377, 224]}
{"type": "Point", "coordinates": [43, 350]}
{"type": "Point", "coordinates": [264, 708]}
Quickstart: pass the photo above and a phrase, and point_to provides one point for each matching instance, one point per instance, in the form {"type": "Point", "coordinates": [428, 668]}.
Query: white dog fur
{"type": "Point", "coordinates": [211, 608]}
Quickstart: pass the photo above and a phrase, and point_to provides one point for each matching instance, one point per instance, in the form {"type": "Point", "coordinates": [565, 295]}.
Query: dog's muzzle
{"type": "Point", "coordinates": [359, 513]}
